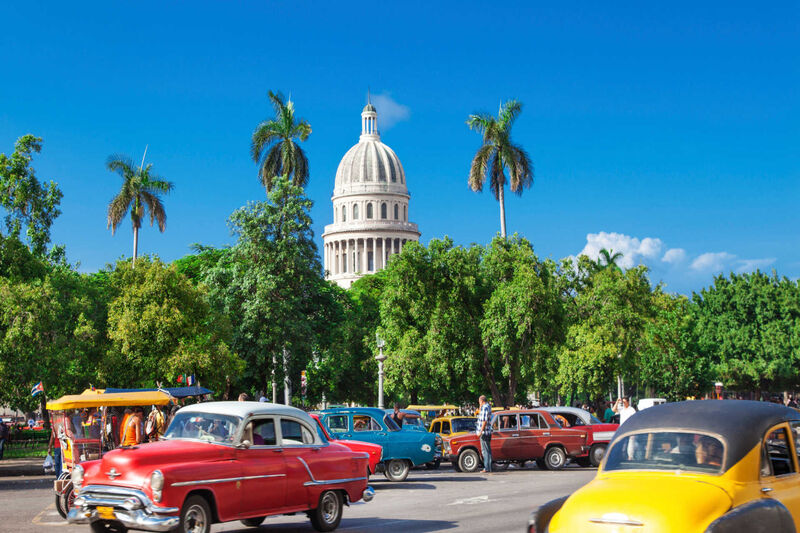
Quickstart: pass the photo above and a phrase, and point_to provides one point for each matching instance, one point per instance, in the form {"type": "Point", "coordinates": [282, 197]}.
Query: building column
{"type": "Point", "coordinates": [347, 256]}
{"type": "Point", "coordinates": [364, 257]}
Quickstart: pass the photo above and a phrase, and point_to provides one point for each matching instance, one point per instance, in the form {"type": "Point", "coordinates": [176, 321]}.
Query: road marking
{"type": "Point", "coordinates": [49, 511]}
{"type": "Point", "coordinates": [472, 501]}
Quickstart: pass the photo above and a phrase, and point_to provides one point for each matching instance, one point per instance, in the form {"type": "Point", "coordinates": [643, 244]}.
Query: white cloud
{"type": "Point", "coordinates": [633, 250]}
{"type": "Point", "coordinates": [674, 256]}
{"type": "Point", "coordinates": [389, 111]}
{"type": "Point", "coordinates": [712, 261]}
{"type": "Point", "coordinates": [748, 265]}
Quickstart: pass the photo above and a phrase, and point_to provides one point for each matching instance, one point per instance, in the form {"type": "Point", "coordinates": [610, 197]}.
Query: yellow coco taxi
{"type": "Point", "coordinates": [450, 426]}
{"type": "Point", "coordinates": [714, 466]}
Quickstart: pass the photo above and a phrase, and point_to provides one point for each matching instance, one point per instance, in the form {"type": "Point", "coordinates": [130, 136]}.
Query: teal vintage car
{"type": "Point", "coordinates": [401, 449]}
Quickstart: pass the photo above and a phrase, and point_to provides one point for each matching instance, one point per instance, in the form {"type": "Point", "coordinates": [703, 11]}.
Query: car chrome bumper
{"type": "Point", "coordinates": [368, 494]}
{"type": "Point", "coordinates": [131, 507]}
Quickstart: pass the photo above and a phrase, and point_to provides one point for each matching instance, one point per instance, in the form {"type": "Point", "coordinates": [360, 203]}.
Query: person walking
{"type": "Point", "coordinates": [3, 437]}
{"type": "Point", "coordinates": [624, 408]}
{"type": "Point", "coordinates": [484, 431]}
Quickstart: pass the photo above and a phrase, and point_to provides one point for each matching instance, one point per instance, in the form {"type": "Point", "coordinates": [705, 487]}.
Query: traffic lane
{"type": "Point", "coordinates": [435, 500]}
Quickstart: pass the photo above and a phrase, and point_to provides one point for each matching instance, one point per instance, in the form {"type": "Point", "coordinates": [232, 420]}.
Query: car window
{"type": "Point", "coordinates": [508, 422]}
{"type": "Point", "coordinates": [534, 421]}
{"type": "Point", "coordinates": [209, 427]}
{"type": "Point", "coordinates": [437, 427]}
{"type": "Point", "coordinates": [261, 432]}
{"type": "Point", "coordinates": [337, 423]}
{"type": "Point", "coordinates": [365, 423]}
{"type": "Point", "coordinates": [463, 424]}
{"type": "Point", "coordinates": [666, 450]}
{"type": "Point", "coordinates": [778, 451]}
{"type": "Point", "coordinates": [391, 424]}
{"type": "Point", "coordinates": [293, 432]}
{"type": "Point", "coordinates": [796, 434]}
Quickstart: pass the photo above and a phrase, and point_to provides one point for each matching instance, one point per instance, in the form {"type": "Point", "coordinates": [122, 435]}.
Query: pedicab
{"type": "Point", "coordinates": [86, 428]}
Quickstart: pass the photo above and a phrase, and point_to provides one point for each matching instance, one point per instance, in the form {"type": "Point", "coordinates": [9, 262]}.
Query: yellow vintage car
{"type": "Point", "coordinates": [429, 412]}
{"type": "Point", "coordinates": [713, 466]}
{"type": "Point", "coordinates": [450, 426]}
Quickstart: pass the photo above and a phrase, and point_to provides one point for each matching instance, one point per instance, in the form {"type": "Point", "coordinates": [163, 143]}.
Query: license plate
{"type": "Point", "coordinates": [106, 513]}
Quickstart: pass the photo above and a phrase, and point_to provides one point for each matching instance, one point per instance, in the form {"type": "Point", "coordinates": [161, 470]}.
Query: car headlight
{"type": "Point", "coordinates": [157, 484]}
{"type": "Point", "coordinates": [438, 441]}
{"type": "Point", "coordinates": [77, 476]}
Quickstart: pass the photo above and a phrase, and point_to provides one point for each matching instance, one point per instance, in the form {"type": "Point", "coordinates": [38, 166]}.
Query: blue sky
{"type": "Point", "coordinates": [667, 132]}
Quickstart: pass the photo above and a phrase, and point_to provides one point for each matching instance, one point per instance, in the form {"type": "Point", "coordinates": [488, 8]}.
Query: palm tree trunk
{"type": "Point", "coordinates": [501, 199]}
{"type": "Point", "coordinates": [135, 244]}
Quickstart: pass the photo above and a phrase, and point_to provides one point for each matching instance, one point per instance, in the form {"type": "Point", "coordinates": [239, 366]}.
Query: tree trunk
{"type": "Point", "coordinates": [501, 199]}
{"type": "Point", "coordinates": [45, 412]}
{"type": "Point", "coordinates": [274, 383]}
{"type": "Point", "coordinates": [286, 383]}
{"type": "Point", "coordinates": [135, 244]}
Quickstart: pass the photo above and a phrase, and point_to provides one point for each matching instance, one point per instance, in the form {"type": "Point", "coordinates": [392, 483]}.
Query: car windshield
{"type": "Point", "coordinates": [463, 424]}
{"type": "Point", "coordinates": [667, 450]}
{"type": "Point", "coordinates": [411, 420]}
{"type": "Point", "coordinates": [390, 424]}
{"type": "Point", "coordinates": [594, 419]}
{"type": "Point", "coordinates": [210, 427]}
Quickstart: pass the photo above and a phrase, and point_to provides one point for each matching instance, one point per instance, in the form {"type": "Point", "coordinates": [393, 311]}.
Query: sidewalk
{"type": "Point", "coordinates": [31, 466]}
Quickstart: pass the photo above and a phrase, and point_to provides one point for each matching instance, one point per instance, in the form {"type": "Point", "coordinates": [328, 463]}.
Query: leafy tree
{"type": "Point", "coordinates": [51, 329]}
{"type": "Point", "coordinates": [606, 331]}
{"type": "Point", "coordinates": [669, 361]}
{"type": "Point", "coordinates": [497, 153]}
{"type": "Point", "coordinates": [27, 202]}
{"type": "Point", "coordinates": [274, 148]}
{"type": "Point", "coordinates": [161, 326]}
{"type": "Point", "coordinates": [272, 286]}
{"type": "Point", "coordinates": [749, 327]}
{"type": "Point", "coordinates": [139, 194]}
{"type": "Point", "coordinates": [18, 263]}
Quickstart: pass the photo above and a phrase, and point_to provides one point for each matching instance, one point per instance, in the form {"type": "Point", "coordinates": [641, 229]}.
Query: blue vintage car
{"type": "Point", "coordinates": [401, 449]}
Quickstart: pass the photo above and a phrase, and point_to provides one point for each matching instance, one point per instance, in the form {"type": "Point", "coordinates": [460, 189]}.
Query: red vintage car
{"type": "Point", "coordinates": [218, 462]}
{"type": "Point", "coordinates": [598, 434]}
{"type": "Point", "coordinates": [373, 451]}
{"type": "Point", "coordinates": [519, 436]}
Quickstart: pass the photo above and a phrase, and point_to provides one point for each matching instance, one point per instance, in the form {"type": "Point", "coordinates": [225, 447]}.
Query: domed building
{"type": "Point", "coordinates": [370, 208]}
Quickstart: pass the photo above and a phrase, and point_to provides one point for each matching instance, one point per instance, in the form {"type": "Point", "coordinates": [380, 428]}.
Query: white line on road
{"type": "Point", "coordinates": [472, 501]}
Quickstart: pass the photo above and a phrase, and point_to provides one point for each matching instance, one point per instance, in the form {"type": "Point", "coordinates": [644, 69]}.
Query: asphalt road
{"type": "Point", "coordinates": [437, 500]}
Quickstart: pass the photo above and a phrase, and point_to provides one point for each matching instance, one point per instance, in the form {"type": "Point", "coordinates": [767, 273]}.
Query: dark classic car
{"type": "Point", "coordinates": [401, 449]}
{"type": "Point", "coordinates": [218, 462]}
{"type": "Point", "coordinates": [598, 434]}
{"type": "Point", "coordinates": [519, 436]}
{"type": "Point", "coordinates": [713, 466]}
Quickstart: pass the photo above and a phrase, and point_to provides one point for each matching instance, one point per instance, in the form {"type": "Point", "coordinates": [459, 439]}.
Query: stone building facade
{"type": "Point", "coordinates": [370, 208]}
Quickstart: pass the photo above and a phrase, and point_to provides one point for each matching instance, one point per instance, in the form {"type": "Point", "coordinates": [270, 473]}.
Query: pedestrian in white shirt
{"type": "Point", "coordinates": [624, 408]}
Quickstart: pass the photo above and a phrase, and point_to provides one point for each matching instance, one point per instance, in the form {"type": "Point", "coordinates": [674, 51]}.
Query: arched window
{"type": "Point", "coordinates": [383, 210]}
{"type": "Point", "coordinates": [355, 211]}
{"type": "Point", "coordinates": [344, 214]}
{"type": "Point", "coordinates": [405, 213]}
{"type": "Point", "coordinates": [396, 216]}
{"type": "Point", "coordinates": [369, 210]}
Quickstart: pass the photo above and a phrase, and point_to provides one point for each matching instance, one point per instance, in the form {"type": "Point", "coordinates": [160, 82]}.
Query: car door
{"type": "Point", "coordinates": [534, 435]}
{"type": "Point", "coordinates": [339, 425]}
{"type": "Point", "coordinates": [779, 472]}
{"type": "Point", "coordinates": [502, 441]}
{"type": "Point", "coordinates": [301, 453]}
{"type": "Point", "coordinates": [263, 483]}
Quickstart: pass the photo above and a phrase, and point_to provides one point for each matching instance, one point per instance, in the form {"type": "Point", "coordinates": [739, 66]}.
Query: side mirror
{"type": "Point", "coordinates": [245, 444]}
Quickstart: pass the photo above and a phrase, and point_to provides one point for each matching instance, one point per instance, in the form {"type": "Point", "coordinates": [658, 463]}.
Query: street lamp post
{"type": "Point", "coordinates": [380, 358]}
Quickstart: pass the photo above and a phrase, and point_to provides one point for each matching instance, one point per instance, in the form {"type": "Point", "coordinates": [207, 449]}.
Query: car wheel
{"type": "Point", "coordinates": [195, 516]}
{"type": "Point", "coordinates": [328, 514]}
{"type": "Point", "coordinates": [397, 470]}
{"type": "Point", "coordinates": [468, 461]}
{"type": "Point", "coordinates": [433, 465]}
{"type": "Point", "coordinates": [597, 453]}
{"type": "Point", "coordinates": [555, 458]}
{"type": "Point", "coordinates": [253, 522]}
{"type": "Point", "coordinates": [105, 526]}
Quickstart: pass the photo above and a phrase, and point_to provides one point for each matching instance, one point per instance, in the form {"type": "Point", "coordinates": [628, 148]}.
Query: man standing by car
{"type": "Point", "coordinates": [625, 409]}
{"type": "Point", "coordinates": [484, 431]}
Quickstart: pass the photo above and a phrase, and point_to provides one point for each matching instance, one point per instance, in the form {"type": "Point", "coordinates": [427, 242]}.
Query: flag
{"type": "Point", "coordinates": [181, 378]}
{"type": "Point", "coordinates": [37, 389]}
{"type": "Point", "coordinates": [190, 380]}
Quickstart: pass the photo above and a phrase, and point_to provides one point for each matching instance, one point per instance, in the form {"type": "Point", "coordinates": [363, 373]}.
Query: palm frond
{"type": "Point", "coordinates": [478, 169]}
{"type": "Point", "coordinates": [276, 98]}
{"type": "Point", "coordinates": [301, 168]}
{"type": "Point", "coordinates": [302, 130]}
{"type": "Point", "coordinates": [509, 112]}
{"type": "Point", "coordinates": [265, 134]}
{"type": "Point", "coordinates": [121, 164]}
{"type": "Point", "coordinates": [155, 209]}
{"type": "Point", "coordinates": [497, 176]}
{"type": "Point", "coordinates": [479, 122]}
{"type": "Point", "coordinates": [117, 209]}
{"type": "Point", "coordinates": [523, 177]}
{"type": "Point", "coordinates": [271, 166]}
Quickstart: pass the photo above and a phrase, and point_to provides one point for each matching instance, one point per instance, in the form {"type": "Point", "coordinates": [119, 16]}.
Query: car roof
{"type": "Point", "coordinates": [405, 411]}
{"type": "Point", "coordinates": [245, 409]}
{"type": "Point", "coordinates": [374, 411]}
{"type": "Point", "coordinates": [583, 413]}
{"type": "Point", "coordinates": [741, 423]}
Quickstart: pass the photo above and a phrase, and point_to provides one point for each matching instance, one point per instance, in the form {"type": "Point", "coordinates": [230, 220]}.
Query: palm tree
{"type": "Point", "coordinates": [139, 193]}
{"type": "Point", "coordinates": [274, 147]}
{"type": "Point", "coordinates": [608, 258]}
{"type": "Point", "coordinates": [498, 153]}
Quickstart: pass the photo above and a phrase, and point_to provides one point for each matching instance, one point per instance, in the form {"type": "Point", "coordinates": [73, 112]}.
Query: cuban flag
{"type": "Point", "coordinates": [37, 389]}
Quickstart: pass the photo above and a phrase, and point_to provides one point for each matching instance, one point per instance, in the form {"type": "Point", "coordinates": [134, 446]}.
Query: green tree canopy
{"type": "Point", "coordinates": [27, 202]}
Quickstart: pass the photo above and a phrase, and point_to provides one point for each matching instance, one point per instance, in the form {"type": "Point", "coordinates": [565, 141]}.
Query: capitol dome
{"type": "Point", "coordinates": [370, 208]}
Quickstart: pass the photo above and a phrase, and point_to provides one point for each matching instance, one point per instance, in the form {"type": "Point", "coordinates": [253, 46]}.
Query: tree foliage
{"type": "Point", "coordinates": [27, 202]}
